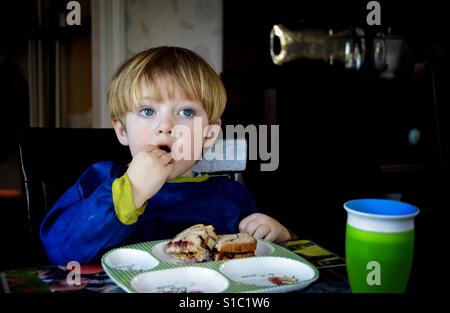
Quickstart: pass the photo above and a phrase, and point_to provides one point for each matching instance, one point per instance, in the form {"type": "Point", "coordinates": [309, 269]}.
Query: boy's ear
{"type": "Point", "coordinates": [121, 132]}
{"type": "Point", "coordinates": [211, 134]}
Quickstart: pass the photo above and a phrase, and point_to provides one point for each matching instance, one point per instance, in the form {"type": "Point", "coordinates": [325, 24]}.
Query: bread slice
{"type": "Point", "coordinates": [236, 243]}
{"type": "Point", "coordinates": [235, 246]}
{"type": "Point", "coordinates": [193, 244]}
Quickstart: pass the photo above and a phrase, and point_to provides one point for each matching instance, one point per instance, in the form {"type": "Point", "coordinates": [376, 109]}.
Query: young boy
{"type": "Point", "coordinates": [156, 196]}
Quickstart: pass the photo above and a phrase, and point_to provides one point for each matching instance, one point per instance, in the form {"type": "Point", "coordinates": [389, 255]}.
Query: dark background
{"type": "Point", "coordinates": [344, 134]}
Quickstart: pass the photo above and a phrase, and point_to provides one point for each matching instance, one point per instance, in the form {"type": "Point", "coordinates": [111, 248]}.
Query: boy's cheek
{"type": "Point", "coordinates": [188, 151]}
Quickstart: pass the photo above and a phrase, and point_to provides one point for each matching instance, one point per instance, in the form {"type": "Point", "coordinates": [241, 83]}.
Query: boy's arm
{"type": "Point", "coordinates": [83, 223]}
{"type": "Point", "coordinates": [124, 203]}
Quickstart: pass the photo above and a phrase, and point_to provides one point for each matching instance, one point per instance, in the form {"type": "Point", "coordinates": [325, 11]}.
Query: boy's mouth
{"type": "Point", "coordinates": [165, 148]}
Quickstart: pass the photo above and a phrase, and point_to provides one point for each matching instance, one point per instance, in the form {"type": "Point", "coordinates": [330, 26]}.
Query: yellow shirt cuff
{"type": "Point", "coordinates": [122, 194]}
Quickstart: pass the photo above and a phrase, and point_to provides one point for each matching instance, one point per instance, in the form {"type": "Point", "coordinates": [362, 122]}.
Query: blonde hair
{"type": "Point", "coordinates": [178, 67]}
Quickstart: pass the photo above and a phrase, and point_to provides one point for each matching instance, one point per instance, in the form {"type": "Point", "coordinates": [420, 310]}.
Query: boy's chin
{"type": "Point", "coordinates": [172, 176]}
{"type": "Point", "coordinates": [179, 170]}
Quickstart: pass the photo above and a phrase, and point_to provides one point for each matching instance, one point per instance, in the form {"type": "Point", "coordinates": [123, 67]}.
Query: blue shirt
{"type": "Point", "coordinates": [83, 225]}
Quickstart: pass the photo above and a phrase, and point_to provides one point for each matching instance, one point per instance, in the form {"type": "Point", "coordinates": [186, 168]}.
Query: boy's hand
{"type": "Point", "coordinates": [147, 172]}
{"type": "Point", "coordinates": [263, 226]}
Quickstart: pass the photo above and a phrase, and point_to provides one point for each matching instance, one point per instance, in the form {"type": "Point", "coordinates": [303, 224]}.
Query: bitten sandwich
{"type": "Point", "coordinates": [194, 244]}
{"type": "Point", "coordinates": [234, 246]}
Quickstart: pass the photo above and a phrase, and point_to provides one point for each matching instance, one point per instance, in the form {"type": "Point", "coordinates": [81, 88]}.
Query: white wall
{"type": "Point", "coordinates": [122, 28]}
{"type": "Point", "coordinates": [192, 24]}
{"type": "Point", "coordinates": [108, 52]}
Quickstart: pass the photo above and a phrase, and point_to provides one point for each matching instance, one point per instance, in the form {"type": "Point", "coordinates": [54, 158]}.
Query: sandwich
{"type": "Point", "coordinates": [194, 244]}
{"type": "Point", "coordinates": [199, 243]}
{"type": "Point", "coordinates": [234, 246]}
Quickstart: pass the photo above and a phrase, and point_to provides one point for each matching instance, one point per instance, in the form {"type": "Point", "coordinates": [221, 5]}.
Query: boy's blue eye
{"type": "Point", "coordinates": [186, 112]}
{"type": "Point", "coordinates": [147, 112]}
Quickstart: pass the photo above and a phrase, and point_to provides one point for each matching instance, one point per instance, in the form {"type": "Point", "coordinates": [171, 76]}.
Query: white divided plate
{"type": "Point", "coordinates": [270, 271]}
{"type": "Point", "coordinates": [262, 248]}
{"type": "Point", "coordinates": [131, 260]}
{"type": "Point", "coordinates": [180, 280]}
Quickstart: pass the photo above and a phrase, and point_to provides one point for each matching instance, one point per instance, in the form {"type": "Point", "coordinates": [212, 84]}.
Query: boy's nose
{"type": "Point", "coordinates": [165, 126]}
{"type": "Point", "coordinates": [164, 131]}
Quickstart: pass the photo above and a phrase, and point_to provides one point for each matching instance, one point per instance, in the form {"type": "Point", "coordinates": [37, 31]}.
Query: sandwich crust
{"type": "Point", "coordinates": [236, 243]}
{"type": "Point", "coordinates": [230, 256]}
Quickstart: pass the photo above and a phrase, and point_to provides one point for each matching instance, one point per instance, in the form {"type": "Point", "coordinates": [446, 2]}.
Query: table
{"type": "Point", "coordinates": [53, 278]}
